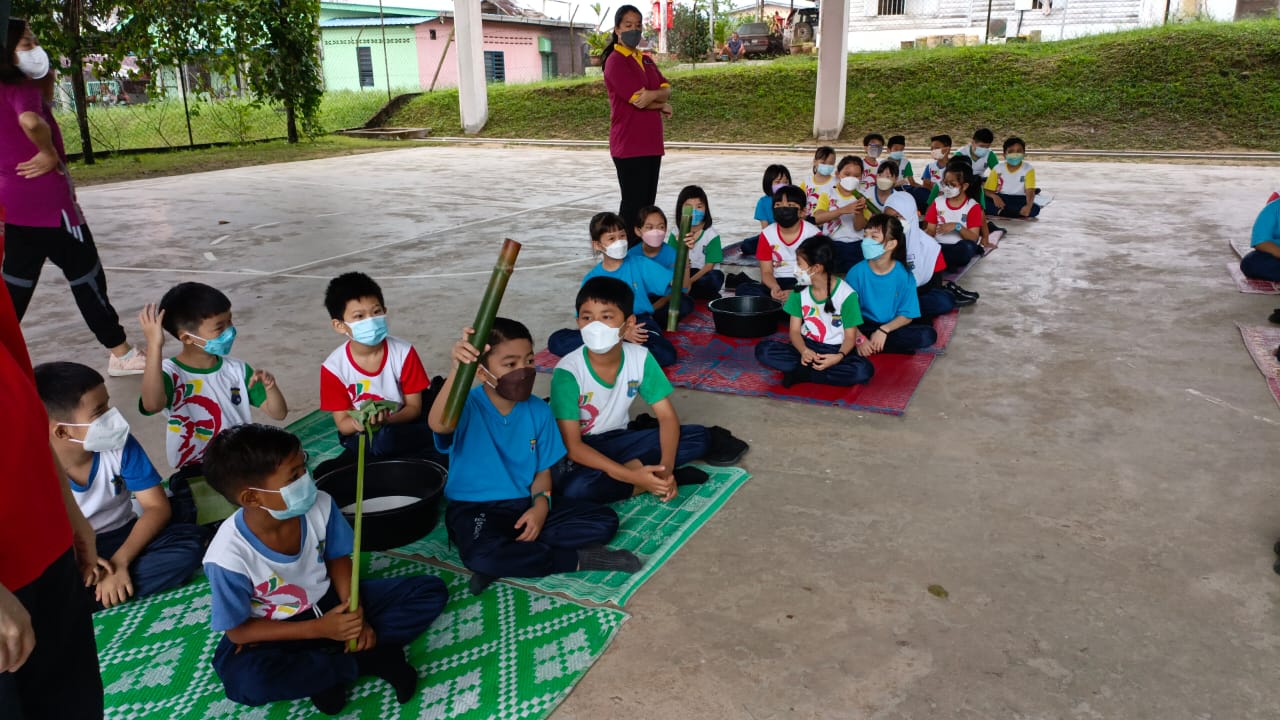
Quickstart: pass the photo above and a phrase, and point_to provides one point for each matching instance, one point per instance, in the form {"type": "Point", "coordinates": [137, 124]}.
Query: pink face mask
{"type": "Point", "coordinates": [654, 237]}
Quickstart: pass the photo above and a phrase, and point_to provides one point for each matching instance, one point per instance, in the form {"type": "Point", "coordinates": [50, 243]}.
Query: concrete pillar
{"type": "Point", "coordinates": [833, 68]}
{"type": "Point", "coordinates": [473, 98]}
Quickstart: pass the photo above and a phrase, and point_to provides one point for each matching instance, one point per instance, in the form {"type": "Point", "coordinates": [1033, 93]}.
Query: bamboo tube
{"type": "Point", "coordinates": [359, 531]}
{"type": "Point", "coordinates": [678, 273]}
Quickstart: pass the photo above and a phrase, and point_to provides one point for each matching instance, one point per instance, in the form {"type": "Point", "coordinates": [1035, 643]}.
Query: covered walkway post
{"type": "Point", "coordinates": [833, 69]}
{"type": "Point", "coordinates": [473, 98]}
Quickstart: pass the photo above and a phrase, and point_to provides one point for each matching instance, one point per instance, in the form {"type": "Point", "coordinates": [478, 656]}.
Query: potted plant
{"type": "Point", "coordinates": [597, 42]}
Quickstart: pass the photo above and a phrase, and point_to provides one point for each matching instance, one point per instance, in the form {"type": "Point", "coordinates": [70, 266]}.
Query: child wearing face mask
{"type": "Point", "coordinates": [897, 147]}
{"type": "Point", "coordinates": [841, 213]}
{"type": "Point", "coordinates": [107, 469]}
{"type": "Point", "coordinates": [822, 180]}
{"type": "Point", "coordinates": [702, 279]}
{"type": "Point", "coordinates": [500, 514]}
{"type": "Point", "coordinates": [642, 277]}
{"type": "Point", "coordinates": [653, 246]}
{"type": "Point", "coordinates": [1011, 187]}
{"type": "Point", "coordinates": [824, 313]}
{"type": "Point", "coordinates": [887, 293]}
{"type": "Point", "coordinates": [886, 186]}
{"type": "Point", "coordinates": [775, 177]}
{"type": "Point", "coordinates": [939, 152]}
{"type": "Point", "coordinates": [955, 219]}
{"type": "Point", "coordinates": [592, 390]}
{"type": "Point", "coordinates": [372, 366]}
{"type": "Point", "coordinates": [924, 259]}
{"type": "Point", "coordinates": [777, 249]}
{"type": "Point", "coordinates": [873, 148]}
{"type": "Point", "coordinates": [978, 151]}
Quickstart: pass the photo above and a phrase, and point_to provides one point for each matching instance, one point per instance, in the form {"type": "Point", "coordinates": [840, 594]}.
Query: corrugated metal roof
{"type": "Point", "coordinates": [374, 21]}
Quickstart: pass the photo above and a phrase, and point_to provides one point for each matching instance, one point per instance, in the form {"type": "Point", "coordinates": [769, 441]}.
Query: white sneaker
{"type": "Point", "coordinates": [133, 362]}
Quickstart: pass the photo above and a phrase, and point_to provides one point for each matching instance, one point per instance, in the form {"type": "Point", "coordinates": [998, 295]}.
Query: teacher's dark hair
{"type": "Point", "coordinates": [617, 20]}
{"type": "Point", "coordinates": [9, 72]}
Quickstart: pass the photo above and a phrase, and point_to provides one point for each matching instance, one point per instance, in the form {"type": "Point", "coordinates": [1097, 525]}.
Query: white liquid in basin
{"type": "Point", "coordinates": [381, 504]}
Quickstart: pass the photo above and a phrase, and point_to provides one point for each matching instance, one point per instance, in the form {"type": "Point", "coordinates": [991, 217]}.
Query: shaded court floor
{"type": "Point", "coordinates": [1089, 471]}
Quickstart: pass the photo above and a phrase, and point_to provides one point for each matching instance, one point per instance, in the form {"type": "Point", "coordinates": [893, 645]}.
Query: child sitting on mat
{"type": "Point", "coordinates": [280, 573]}
{"type": "Point", "coordinates": [1263, 261]}
{"type": "Point", "coordinates": [642, 277]}
{"type": "Point", "coordinates": [372, 366]}
{"type": "Point", "coordinates": [825, 315]}
{"type": "Point", "coordinates": [107, 469]}
{"type": "Point", "coordinates": [872, 148]}
{"type": "Point", "coordinates": [897, 147]}
{"type": "Point", "coordinates": [777, 248]}
{"type": "Point", "coordinates": [822, 179]}
{"type": "Point", "coordinates": [652, 231]}
{"type": "Point", "coordinates": [500, 513]}
{"type": "Point", "coordinates": [592, 390]}
{"type": "Point", "coordinates": [841, 213]}
{"type": "Point", "coordinates": [1011, 186]}
{"type": "Point", "coordinates": [887, 293]}
{"type": "Point", "coordinates": [978, 151]}
{"type": "Point", "coordinates": [955, 219]}
{"type": "Point", "coordinates": [775, 177]}
{"type": "Point", "coordinates": [702, 279]}
{"type": "Point", "coordinates": [937, 296]}
{"type": "Point", "coordinates": [886, 183]}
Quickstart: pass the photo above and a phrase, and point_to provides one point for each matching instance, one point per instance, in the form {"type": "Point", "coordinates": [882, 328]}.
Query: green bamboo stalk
{"type": "Point", "coordinates": [482, 325]}
{"type": "Point", "coordinates": [678, 272]}
{"type": "Point", "coordinates": [355, 550]}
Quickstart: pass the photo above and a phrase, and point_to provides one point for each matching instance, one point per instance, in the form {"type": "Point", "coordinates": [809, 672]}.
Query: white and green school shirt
{"type": "Point", "coordinates": [203, 403]}
{"type": "Point", "coordinates": [577, 393]}
{"type": "Point", "coordinates": [706, 250]}
{"type": "Point", "coordinates": [819, 325]}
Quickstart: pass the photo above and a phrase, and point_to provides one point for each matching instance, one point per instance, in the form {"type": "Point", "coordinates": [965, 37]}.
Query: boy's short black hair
{"type": "Point", "coordinates": [188, 304]}
{"type": "Point", "coordinates": [823, 151]}
{"type": "Point", "coordinates": [1015, 140]}
{"type": "Point", "coordinates": [646, 211]}
{"type": "Point", "coordinates": [792, 193]}
{"type": "Point", "coordinates": [771, 173]}
{"type": "Point", "coordinates": [944, 139]}
{"type": "Point", "coordinates": [504, 329]}
{"type": "Point", "coordinates": [61, 386]}
{"type": "Point", "coordinates": [347, 287]}
{"type": "Point", "coordinates": [849, 160]}
{"type": "Point", "coordinates": [984, 135]}
{"type": "Point", "coordinates": [897, 140]}
{"type": "Point", "coordinates": [690, 192]}
{"type": "Point", "coordinates": [866, 139]}
{"type": "Point", "coordinates": [604, 222]}
{"type": "Point", "coordinates": [242, 456]}
{"type": "Point", "coordinates": [890, 166]}
{"type": "Point", "coordinates": [609, 291]}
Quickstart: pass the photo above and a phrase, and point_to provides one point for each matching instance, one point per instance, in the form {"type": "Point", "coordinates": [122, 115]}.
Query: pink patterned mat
{"type": "Point", "coordinates": [1250, 285]}
{"type": "Point", "coordinates": [1261, 341]}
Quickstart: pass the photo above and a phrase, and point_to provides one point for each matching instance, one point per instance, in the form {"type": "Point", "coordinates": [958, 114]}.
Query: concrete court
{"type": "Point", "coordinates": [1088, 471]}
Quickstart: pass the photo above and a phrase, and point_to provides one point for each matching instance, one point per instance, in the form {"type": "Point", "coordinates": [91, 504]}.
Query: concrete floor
{"type": "Point", "coordinates": [1087, 472]}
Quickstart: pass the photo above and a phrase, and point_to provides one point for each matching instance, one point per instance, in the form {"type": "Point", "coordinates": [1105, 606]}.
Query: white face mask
{"type": "Point", "coordinates": [109, 432]}
{"type": "Point", "coordinates": [600, 338]}
{"type": "Point", "coordinates": [938, 154]}
{"type": "Point", "coordinates": [33, 63]}
{"type": "Point", "coordinates": [849, 183]}
{"type": "Point", "coordinates": [616, 249]}
{"type": "Point", "coordinates": [949, 191]}
{"type": "Point", "coordinates": [803, 278]}
{"type": "Point", "coordinates": [884, 183]}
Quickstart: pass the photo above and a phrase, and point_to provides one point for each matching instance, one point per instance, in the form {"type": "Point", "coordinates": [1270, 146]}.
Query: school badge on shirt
{"type": "Point", "coordinates": [235, 396]}
{"type": "Point", "coordinates": [633, 387]}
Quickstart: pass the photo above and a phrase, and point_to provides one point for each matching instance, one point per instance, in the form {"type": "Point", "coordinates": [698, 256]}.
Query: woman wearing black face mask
{"type": "Point", "coordinates": [638, 101]}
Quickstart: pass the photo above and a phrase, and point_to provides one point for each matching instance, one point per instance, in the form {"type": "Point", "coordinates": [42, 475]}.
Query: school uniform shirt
{"type": "Point", "coordinates": [924, 256]}
{"type": "Point", "coordinates": [968, 214]}
{"type": "Point", "coordinates": [841, 228]}
{"type": "Point", "coordinates": [250, 580]}
{"type": "Point", "coordinates": [666, 256]}
{"type": "Point", "coordinates": [495, 457]}
{"type": "Point", "coordinates": [783, 253]}
{"type": "Point", "coordinates": [203, 403]}
{"type": "Point", "coordinates": [1266, 228]}
{"type": "Point", "coordinates": [344, 385]}
{"type": "Point", "coordinates": [764, 209]}
{"type": "Point", "coordinates": [577, 393]}
{"type": "Point", "coordinates": [819, 325]}
{"type": "Point", "coordinates": [107, 499]}
{"type": "Point", "coordinates": [1011, 181]}
{"type": "Point", "coordinates": [873, 200]}
{"type": "Point", "coordinates": [870, 166]}
{"type": "Point", "coordinates": [706, 250]}
{"type": "Point", "coordinates": [632, 132]}
{"type": "Point", "coordinates": [933, 172]}
{"type": "Point", "coordinates": [814, 190]}
{"type": "Point", "coordinates": [644, 276]}
{"type": "Point", "coordinates": [884, 297]}
{"type": "Point", "coordinates": [905, 171]}
{"type": "Point", "coordinates": [986, 164]}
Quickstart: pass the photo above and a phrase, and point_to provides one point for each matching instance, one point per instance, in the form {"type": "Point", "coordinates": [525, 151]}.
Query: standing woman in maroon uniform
{"type": "Point", "coordinates": [638, 95]}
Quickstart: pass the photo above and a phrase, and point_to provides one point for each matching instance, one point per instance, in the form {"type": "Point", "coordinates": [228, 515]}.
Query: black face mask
{"type": "Point", "coordinates": [786, 216]}
{"type": "Point", "coordinates": [516, 385]}
{"type": "Point", "coordinates": [630, 38]}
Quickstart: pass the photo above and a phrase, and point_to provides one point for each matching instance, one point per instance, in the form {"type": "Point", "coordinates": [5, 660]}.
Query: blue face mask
{"type": "Point", "coordinates": [299, 496]}
{"type": "Point", "coordinates": [369, 331]}
{"type": "Point", "coordinates": [980, 152]}
{"type": "Point", "coordinates": [871, 249]}
{"type": "Point", "coordinates": [698, 216]}
{"type": "Point", "coordinates": [897, 155]}
{"type": "Point", "coordinates": [221, 345]}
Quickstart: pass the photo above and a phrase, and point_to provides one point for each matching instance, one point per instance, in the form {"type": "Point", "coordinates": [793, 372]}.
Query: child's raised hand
{"type": "Point", "coordinates": [341, 623]}
{"type": "Point", "coordinates": [463, 352]}
{"type": "Point", "coordinates": [262, 376]}
{"type": "Point", "coordinates": [151, 319]}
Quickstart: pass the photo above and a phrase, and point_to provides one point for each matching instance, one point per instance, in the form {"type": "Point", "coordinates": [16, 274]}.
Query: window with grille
{"type": "Point", "coordinates": [364, 62]}
{"type": "Point", "coordinates": [495, 66]}
{"type": "Point", "coordinates": [891, 7]}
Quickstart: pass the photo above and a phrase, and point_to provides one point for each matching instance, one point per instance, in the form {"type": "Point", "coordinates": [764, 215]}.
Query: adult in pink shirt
{"type": "Point", "coordinates": [638, 101]}
{"type": "Point", "coordinates": [42, 219]}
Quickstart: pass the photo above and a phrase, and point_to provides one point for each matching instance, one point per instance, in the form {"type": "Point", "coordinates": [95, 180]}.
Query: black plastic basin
{"type": "Point", "coordinates": [401, 500]}
{"type": "Point", "coordinates": [746, 316]}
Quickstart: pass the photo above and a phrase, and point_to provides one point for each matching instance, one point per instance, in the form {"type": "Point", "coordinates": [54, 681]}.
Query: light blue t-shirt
{"type": "Point", "coordinates": [884, 297]}
{"type": "Point", "coordinates": [644, 276]}
{"type": "Point", "coordinates": [495, 457]}
{"type": "Point", "coordinates": [764, 209]}
{"type": "Point", "coordinates": [1267, 227]}
{"type": "Point", "coordinates": [666, 256]}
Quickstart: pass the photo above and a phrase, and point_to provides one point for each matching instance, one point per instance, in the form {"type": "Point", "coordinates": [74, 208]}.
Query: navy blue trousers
{"type": "Point", "coordinates": [1013, 205]}
{"type": "Point", "coordinates": [759, 289]}
{"type": "Point", "coordinates": [562, 342]}
{"type": "Point", "coordinates": [578, 482]}
{"type": "Point", "coordinates": [169, 560]}
{"type": "Point", "coordinates": [959, 254]}
{"type": "Point", "coordinates": [852, 370]}
{"type": "Point", "coordinates": [906, 339]}
{"type": "Point", "coordinates": [1260, 265]}
{"type": "Point", "coordinates": [485, 534]}
{"type": "Point", "coordinates": [708, 286]}
{"type": "Point", "coordinates": [935, 302]}
{"type": "Point", "coordinates": [660, 314]}
{"type": "Point", "coordinates": [398, 610]}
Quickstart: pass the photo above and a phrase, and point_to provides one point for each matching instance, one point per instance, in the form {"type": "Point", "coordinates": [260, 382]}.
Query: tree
{"type": "Point", "coordinates": [691, 35]}
{"type": "Point", "coordinates": [281, 46]}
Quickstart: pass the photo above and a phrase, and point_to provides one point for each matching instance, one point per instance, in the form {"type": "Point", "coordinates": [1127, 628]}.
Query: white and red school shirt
{"type": "Point", "coordinates": [782, 250]}
{"type": "Point", "coordinates": [968, 214]}
{"type": "Point", "coordinates": [870, 167]}
{"type": "Point", "coordinates": [344, 385]}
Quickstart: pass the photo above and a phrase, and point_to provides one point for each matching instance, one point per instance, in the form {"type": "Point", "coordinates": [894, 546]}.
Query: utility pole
{"type": "Point", "coordinates": [386, 68]}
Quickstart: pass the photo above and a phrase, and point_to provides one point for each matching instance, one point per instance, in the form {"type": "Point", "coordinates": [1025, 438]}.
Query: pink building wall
{"type": "Point", "coordinates": [518, 43]}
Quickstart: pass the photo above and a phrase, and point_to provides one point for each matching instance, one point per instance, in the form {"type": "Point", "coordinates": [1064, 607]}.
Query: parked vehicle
{"type": "Point", "coordinates": [802, 27]}
{"type": "Point", "coordinates": [757, 40]}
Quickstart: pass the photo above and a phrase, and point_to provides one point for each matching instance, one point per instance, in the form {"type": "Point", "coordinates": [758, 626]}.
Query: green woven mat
{"type": "Point", "coordinates": [319, 436]}
{"type": "Point", "coordinates": [508, 653]}
{"type": "Point", "coordinates": [650, 528]}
